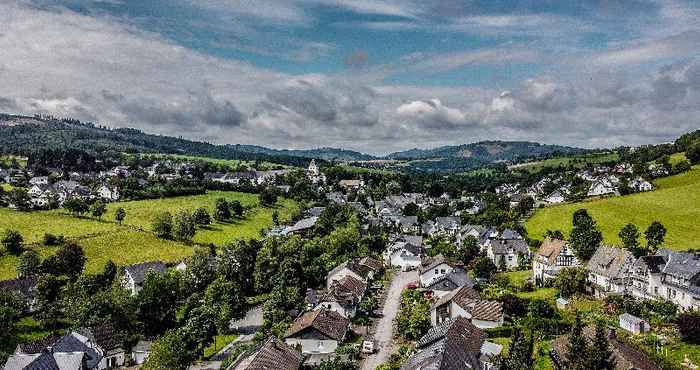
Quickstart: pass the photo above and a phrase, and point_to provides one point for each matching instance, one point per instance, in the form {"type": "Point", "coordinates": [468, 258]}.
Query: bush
{"type": "Point", "coordinates": [52, 240]}
{"type": "Point", "coordinates": [689, 326]}
{"type": "Point", "coordinates": [499, 332]}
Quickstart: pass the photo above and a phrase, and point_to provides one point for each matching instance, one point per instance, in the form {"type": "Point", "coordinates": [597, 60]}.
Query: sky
{"type": "Point", "coordinates": [375, 76]}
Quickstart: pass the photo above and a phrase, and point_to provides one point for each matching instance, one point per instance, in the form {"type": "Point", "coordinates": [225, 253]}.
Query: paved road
{"type": "Point", "coordinates": [385, 326]}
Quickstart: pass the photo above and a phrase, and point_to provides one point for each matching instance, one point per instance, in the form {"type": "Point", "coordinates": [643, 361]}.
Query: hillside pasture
{"type": "Point", "coordinates": [675, 203]}
{"type": "Point", "coordinates": [578, 161]}
{"type": "Point", "coordinates": [133, 242]}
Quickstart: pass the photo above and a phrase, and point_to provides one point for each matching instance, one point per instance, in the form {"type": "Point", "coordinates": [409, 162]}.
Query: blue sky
{"type": "Point", "coordinates": [375, 76]}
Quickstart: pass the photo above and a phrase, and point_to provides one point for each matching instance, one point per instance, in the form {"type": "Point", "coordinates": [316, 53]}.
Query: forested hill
{"type": "Point", "coordinates": [24, 135]}
{"type": "Point", "coordinates": [489, 151]}
{"type": "Point", "coordinates": [327, 154]}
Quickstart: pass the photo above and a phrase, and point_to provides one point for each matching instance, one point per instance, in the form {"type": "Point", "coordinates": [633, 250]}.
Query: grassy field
{"type": "Point", "coordinates": [576, 161]}
{"type": "Point", "coordinates": [133, 242]}
{"type": "Point", "coordinates": [6, 160]}
{"type": "Point", "coordinates": [227, 162]}
{"type": "Point", "coordinates": [676, 204]}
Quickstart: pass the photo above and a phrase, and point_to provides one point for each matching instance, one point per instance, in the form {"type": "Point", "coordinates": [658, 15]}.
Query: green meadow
{"type": "Point", "coordinates": [133, 241]}
{"type": "Point", "coordinates": [577, 161]}
{"type": "Point", "coordinates": [675, 203]}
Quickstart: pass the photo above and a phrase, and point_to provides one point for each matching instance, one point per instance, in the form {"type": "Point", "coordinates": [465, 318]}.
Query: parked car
{"type": "Point", "coordinates": [413, 285]}
{"type": "Point", "coordinates": [368, 347]}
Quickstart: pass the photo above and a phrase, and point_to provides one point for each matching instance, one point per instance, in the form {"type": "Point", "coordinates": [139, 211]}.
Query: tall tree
{"type": "Point", "coordinates": [201, 217]}
{"type": "Point", "coordinates": [28, 264]}
{"type": "Point", "coordinates": [184, 226]}
{"type": "Point", "coordinates": [162, 225]}
{"type": "Point", "coordinates": [519, 356]}
{"type": "Point", "coordinates": [98, 209]}
{"type": "Point", "coordinates": [577, 347]}
{"type": "Point", "coordinates": [222, 212]}
{"type": "Point", "coordinates": [76, 205]}
{"type": "Point", "coordinates": [585, 238]}
{"type": "Point", "coordinates": [629, 235]}
{"type": "Point", "coordinates": [655, 234]}
{"type": "Point", "coordinates": [601, 355]}
{"type": "Point", "coordinates": [119, 215]}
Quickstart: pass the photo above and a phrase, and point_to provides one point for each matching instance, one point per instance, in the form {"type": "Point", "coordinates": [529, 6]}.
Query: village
{"type": "Point", "coordinates": [439, 290]}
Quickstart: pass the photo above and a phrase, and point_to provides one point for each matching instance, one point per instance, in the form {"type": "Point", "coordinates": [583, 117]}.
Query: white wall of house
{"type": "Point", "coordinates": [139, 357]}
{"type": "Point", "coordinates": [347, 311]}
{"type": "Point", "coordinates": [405, 261]}
{"type": "Point", "coordinates": [313, 346]}
{"type": "Point", "coordinates": [429, 276]}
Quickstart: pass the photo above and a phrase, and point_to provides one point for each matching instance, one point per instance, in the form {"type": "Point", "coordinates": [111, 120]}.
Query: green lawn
{"type": "Point", "coordinates": [6, 187]}
{"type": "Point", "coordinates": [133, 242]}
{"type": "Point", "coordinates": [676, 204]}
{"type": "Point", "coordinates": [549, 294]}
{"type": "Point", "coordinates": [220, 341]}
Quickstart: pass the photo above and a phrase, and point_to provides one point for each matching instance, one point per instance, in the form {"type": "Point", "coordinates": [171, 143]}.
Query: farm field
{"type": "Point", "coordinates": [133, 242]}
{"type": "Point", "coordinates": [227, 162]}
{"type": "Point", "coordinates": [676, 204]}
{"type": "Point", "coordinates": [577, 161]}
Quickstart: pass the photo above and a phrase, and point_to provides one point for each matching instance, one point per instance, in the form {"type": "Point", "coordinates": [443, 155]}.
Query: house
{"type": "Point", "coordinates": [371, 266]}
{"type": "Point", "coordinates": [455, 279]}
{"type": "Point", "coordinates": [434, 268]}
{"type": "Point", "coordinates": [47, 359]}
{"type": "Point", "coordinates": [453, 344]}
{"type": "Point", "coordinates": [680, 279]}
{"type": "Point", "coordinates": [639, 184]}
{"type": "Point", "coordinates": [301, 226]}
{"type": "Point", "coordinates": [336, 197]}
{"type": "Point", "coordinates": [562, 303]}
{"type": "Point", "coordinates": [271, 354]}
{"type": "Point", "coordinates": [608, 271]}
{"type": "Point", "coordinates": [106, 342]}
{"type": "Point", "coordinates": [314, 173]}
{"type": "Point", "coordinates": [465, 302]}
{"type": "Point", "coordinates": [318, 333]}
{"type": "Point", "coordinates": [24, 286]}
{"type": "Point", "coordinates": [601, 187]}
{"type": "Point", "coordinates": [407, 224]}
{"type": "Point", "coordinates": [552, 256]}
{"type": "Point", "coordinates": [347, 268]}
{"type": "Point", "coordinates": [343, 296]}
{"type": "Point", "coordinates": [507, 252]}
{"type": "Point", "coordinates": [352, 184]}
{"type": "Point", "coordinates": [555, 197]}
{"type": "Point", "coordinates": [39, 180]}
{"type": "Point", "coordinates": [404, 255]}
{"type": "Point", "coordinates": [134, 275]}
{"type": "Point", "coordinates": [315, 211]}
{"type": "Point", "coordinates": [645, 277]}
{"type": "Point", "coordinates": [625, 356]}
{"type": "Point", "coordinates": [107, 193]}
{"type": "Point", "coordinates": [141, 351]}
{"type": "Point", "coordinates": [633, 324]}
{"type": "Point", "coordinates": [448, 225]}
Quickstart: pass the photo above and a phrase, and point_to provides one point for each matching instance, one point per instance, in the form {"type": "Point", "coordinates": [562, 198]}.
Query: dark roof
{"type": "Point", "coordinates": [505, 246]}
{"type": "Point", "coordinates": [271, 355]}
{"type": "Point", "coordinates": [103, 335]}
{"type": "Point", "coordinates": [448, 222]}
{"type": "Point", "coordinates": [25, 286]}
{"type": "Point", "coordinates": [550, 249]}
{"type": "Point", "coordinates": [683, 264]}
{"type": "Point", "coordinates": [432, 262]}
{"type": "Point", "coordinates": [46, 360]}
{"type": "Point", "coordinates": [487, 311]}
{"type": "Point", "coordinates": [610, 261]}
{"type": "Point", "coordinates": [37, 346]}
{"type": "Point", "coordinates": [652, 264]}
{"type": "Point", "coordinates": [452, 345]}
{"type": "Point", "coordinates": [69, 343]}
{"type": "Point", "coordinates": [139, 270]}
{"type": "Point", "coordinates": [373, 264]}
{"type": "Point", "coordinates": [348, 288]}
{"type": "Point", "coordinates": [328, 323]}
{"type": "Point", "coordinates": [463, 297]}
{"type": "Point", "coordinates": [459, 277]}
{"type": "Point", "coordinates": [351, 265]}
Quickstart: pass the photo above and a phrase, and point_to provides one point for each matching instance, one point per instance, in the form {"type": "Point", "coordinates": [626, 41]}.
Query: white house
{"type": "Point", "coordinates": [466, 302]}
{"type": "Point", "coordinates": [680, 279]}
{"type": "Point", "coordinates": [556, 197]}
{"type": "Point", "coordinates": [609, 271]}
{"type": "Point", "coordinates": [508, 252]}
{"type": "Point", "coordinates": [105, 342]}
{"type": "Point", "coordinates": [134, 275]}
{"type": "Point", "coordinates": [352, 184]}
{"type": "Point", "coordinates": [552, 256]}
{"type": "Point", "coordinates": [433, 268]}
{"type": "Point", "coordinates": [343, 296]}
{"type": "Point", "coordinates": [639, 184]}
{"type": "Point", "coordinates": [601, 187]}
{"type": "Point", "coordinates": [318, 333]}
{"type": "Point", "coordinates": [39, 180]}
{"type": "Point", "coordinates": [107, 193]}
{"type": "Point", "coordinates": [404, 255]}
{"type": "Point", "coordinates": [645, 277]}
{"type": "Point", "coordinates": [633, 324]}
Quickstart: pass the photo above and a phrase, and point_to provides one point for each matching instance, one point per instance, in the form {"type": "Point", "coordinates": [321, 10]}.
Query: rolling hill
{"type": "Point", "coordinates": [676, 204]}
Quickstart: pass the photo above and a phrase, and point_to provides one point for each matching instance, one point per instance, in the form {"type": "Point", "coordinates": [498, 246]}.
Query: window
{"type": "Point", "coordinates": [442, 271]}
{"type": "Point", "coordinates": [436, 271]}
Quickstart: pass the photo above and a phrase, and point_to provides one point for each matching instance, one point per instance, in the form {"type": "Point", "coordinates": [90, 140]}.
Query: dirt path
{"type": "Point", "coordinates": [383, 331]}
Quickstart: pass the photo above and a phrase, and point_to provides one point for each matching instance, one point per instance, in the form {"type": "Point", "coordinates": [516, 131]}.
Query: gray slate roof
{"type": "Point", "coordinates": [453, 345]}
{"type": "Point", "coordinates": [610, 262]}
{"type": "Point", "coordinates": [139, 270]}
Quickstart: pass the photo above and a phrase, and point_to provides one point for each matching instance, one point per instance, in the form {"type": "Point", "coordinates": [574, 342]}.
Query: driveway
{"type": "Point", "coordinates": [252, 321]}
{"type": "Point", "coordinates": [384, 328]}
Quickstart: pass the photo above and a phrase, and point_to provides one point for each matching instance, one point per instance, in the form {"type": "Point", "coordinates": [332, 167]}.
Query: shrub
{"type": "Point", "coordinates": [689, 326]}
{"type": "Point", "coordinates": [52, 240]}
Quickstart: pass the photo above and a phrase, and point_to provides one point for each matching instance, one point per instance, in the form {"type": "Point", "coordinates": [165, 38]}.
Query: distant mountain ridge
{"type": "Point", "coordinates": [23, 134]}
{"type": "Point", "coordinates": [490, 151]}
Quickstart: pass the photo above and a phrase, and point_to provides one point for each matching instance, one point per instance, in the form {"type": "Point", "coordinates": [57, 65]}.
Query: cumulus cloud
{"type": "Point", "coordinates": [433, 114]}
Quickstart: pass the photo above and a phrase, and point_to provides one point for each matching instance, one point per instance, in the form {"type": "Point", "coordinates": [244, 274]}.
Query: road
{"type": "Point", "coordinates": [384, 329]}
